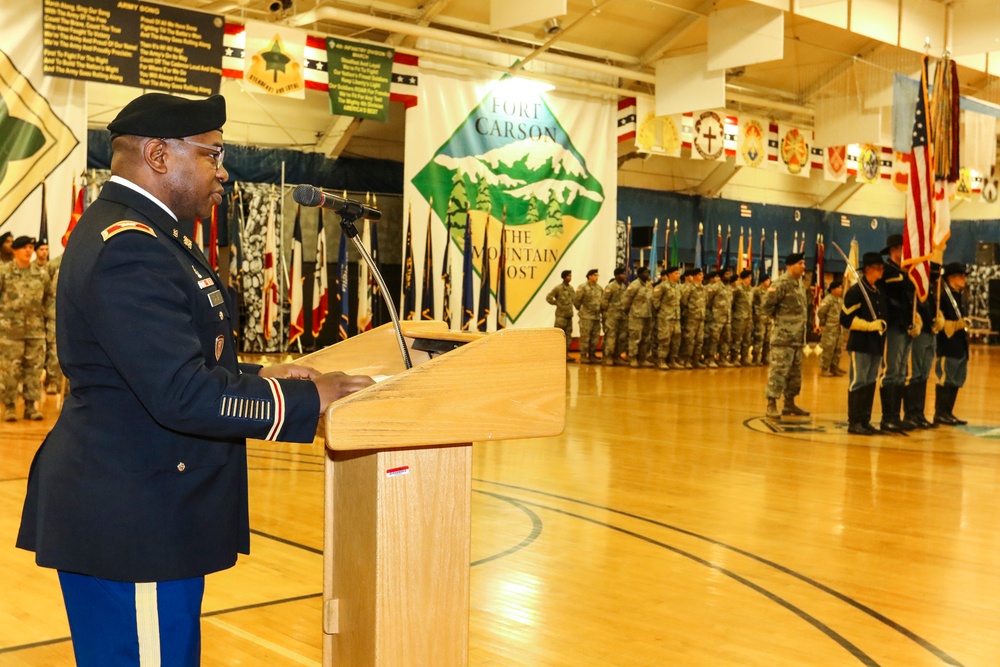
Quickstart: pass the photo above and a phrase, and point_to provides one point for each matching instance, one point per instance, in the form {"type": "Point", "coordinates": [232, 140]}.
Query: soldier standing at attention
{"type": "Point", "coordinates": [588, 302]}
{"type": "Point", "coordinates": [742, 320]}
{"type": "Point", "coordinates": [667, 305]}
{"type": "Point", "coordinates": [922, 358]}
{"type": "Point", "coordinates": [615, 321]}
{"type": "Point", "coordinates": [27, 320]}
{"type": "Point", "coordinates": [832, 337]}
{"type": "Point", "coordinates": [6, 252]}
{"type": "Point", "coordinates": [638, 303]}
{"type": "Point", "coordinates": [761, 323]}
{"type": "Point", "coordinates": [788, 305]}
{"type": "Point", "coordinates": [719, 310]}
{"type": "Point", "coordinates": [864, 342]}
{"type": "Point", "coordinates": [53, 376]}
{"type": "Point", "coordinates": [898, 294]}
{"type": "Point", "coordinates": [952, 346]}
{"type": "Point", "coordinates": [693, 320]}
{"type": "Point", "coordinates": [562, 297]}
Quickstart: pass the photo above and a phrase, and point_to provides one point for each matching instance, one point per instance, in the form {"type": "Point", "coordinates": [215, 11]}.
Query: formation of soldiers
{"type": "Point", "coordinates": [683, 320]}
{"type": "Point", "coordinates": [27, 327]}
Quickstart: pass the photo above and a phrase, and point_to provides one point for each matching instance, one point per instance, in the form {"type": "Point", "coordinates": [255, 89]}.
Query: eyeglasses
{"type": "Point", "coordinates": [217, 152]}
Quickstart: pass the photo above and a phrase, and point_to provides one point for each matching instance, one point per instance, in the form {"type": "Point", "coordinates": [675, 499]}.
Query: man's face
{"type": "Point", "coordinates": [23, 255]}
{"type": "Point", "coordinates": [194, 175]}
{"type": "Point", "coordinates": [874, 272]}
{"type": "Point", "coordinates": [674, 277]}
{"type": "Point", "coordinates": [896, 253]}
{"type": "Point", "coordinates": [797, 270]}
{"type": "Point", "coordinates": [620, 278]}
{"type": "Point", "coordinates": [42, 253]}
{"type": "Point", "coordinates": [957, 282]}
{"type": "Point", "coordinates": [568, 279]}
{"type": "Point", "coordinates": [7, 243]}
{"type": "Point", "coordinates": [745, 281]}
{"type": "Point", "coordinates": [837, 291]}
{"type": "Point", "coordinates": [698, 278]}
{"type": "Point", "coordinates": [593, 277]}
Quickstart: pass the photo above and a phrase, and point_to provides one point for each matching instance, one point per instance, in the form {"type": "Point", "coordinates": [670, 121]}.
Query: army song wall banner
{"type": "Point", "coordinates": [538, 165]}
{"type": "Point", "coordinates": [43, 122]}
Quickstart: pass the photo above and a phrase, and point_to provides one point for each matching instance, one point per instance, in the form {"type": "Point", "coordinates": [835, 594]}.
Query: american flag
{"type": "Point", "coordinates": [918, 231]}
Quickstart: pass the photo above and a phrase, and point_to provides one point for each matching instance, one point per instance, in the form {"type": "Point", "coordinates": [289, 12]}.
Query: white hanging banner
{"type": "Point", "coordinates": [501, 150]}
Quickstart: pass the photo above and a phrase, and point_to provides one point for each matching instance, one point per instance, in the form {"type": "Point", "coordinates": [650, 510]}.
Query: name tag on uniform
{"type": "Point", "coordinates": [215, 298]}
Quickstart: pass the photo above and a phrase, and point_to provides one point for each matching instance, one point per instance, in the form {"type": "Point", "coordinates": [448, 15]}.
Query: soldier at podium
{"type": "Point", "coordinates": [140, 489]}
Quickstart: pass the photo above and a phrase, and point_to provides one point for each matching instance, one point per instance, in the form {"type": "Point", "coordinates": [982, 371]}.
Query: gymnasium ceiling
{"type": "Point", "coordinates": [603, 47]}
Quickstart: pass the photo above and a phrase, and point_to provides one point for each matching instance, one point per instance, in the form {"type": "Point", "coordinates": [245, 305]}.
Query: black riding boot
{"type": "Point", "coordinates": [914, 398]}
{"type": "Point", "coordinates": [890, 397]}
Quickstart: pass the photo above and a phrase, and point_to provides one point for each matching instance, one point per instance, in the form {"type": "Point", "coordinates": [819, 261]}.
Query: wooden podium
{"type": "Point", "coordinates": [398, 480]}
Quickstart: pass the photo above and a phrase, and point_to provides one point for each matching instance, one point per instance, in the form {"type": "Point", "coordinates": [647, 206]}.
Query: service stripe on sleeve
{"type": "Point", "coordinates": [279, 409]}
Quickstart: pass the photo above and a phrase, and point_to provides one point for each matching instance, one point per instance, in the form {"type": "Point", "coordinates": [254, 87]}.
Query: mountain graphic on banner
{"type": "Point", "coordinates": [512, 153]}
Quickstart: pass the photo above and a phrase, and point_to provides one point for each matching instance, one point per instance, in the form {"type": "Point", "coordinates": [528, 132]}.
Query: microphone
{"type": "Point", "coordinates": [307, 195]}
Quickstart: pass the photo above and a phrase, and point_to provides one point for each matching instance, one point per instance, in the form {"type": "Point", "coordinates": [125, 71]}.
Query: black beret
{"type": "Point", "coordinates": [22, 241]}
{"type": "Point", "coordinates": [871, 259]}
{"type": "Point", "coordinates": [671, 269]}
{"type": "Point", "coordinates": [794, 258]}
{"type": "Point", "coordinates": [592, 272]}
{"type": "Point", "coordinates": [951, 269]}
{"type": "Point", "coordinates": [891, 242]}
{"type": "Point", "coordinates": [566, 273]}
{"type": "Point", "coordinates": [620, 271]}
{"type": "Point", "coordinates": [745, 273]}
{"type": "Point", "coordinates": [169, 117]}
{"type": "Point", "coordinates": [693, 272]}
{"type": "Point", "coordinates": [834, 284]}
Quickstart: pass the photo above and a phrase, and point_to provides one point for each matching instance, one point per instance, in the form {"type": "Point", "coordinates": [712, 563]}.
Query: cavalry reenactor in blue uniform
{"type": "Point", "coordinates": [952, 345]}
{"type": "Point", "coordinates": [862, 314]}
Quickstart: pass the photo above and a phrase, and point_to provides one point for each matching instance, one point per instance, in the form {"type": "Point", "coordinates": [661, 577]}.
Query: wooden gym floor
{"type": "Point", "coordinates": [669, 525]}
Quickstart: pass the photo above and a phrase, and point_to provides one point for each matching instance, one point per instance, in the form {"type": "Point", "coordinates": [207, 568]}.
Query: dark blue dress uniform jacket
{"type": "Point", "coordinates": [144, 475]}
{"type": "Point", "coordinates": [866, 342]}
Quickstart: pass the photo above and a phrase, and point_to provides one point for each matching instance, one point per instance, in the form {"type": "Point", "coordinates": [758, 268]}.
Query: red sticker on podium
{"type": "Point", "coordinates": [396, 472]}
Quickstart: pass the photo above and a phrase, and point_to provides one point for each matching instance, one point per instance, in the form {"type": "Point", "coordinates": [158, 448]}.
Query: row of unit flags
{"type": "Point", "coordinates": [369, 296]}
{"type": "Point", "coordinates": [472, 318]}
{"type": "Point", "coordinates": [721, 256]}
{"type": "Point", "coordinates": [761, 143]}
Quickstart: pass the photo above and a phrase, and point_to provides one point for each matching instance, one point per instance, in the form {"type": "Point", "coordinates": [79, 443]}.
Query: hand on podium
{"type": "Point", "coordinates": [336, 385]}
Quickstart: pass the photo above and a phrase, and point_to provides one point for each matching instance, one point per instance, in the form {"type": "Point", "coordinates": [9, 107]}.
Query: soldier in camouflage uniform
{"type": "Point", "coordinates": [742, 320]}
{"type": "Point", "coordinates": [615, 320]}
{"type": "Point", "coordinates": [788, 304]}
{"type": "Point", "coordinates": [562, 297]}
{"type": "Point", "coordinates": [692, 320]}
{"type": "Point", "coordinates": [667, 306]}
{"type": "Point", "coordinates": [762, 323]}
{"type": "Point", "coordinates": [588, 302]}
{"type": "Point", "coordinates": [638, 303]}
{"type": "Point", "coordinates": [832, 337]}
{"type": "Point", "coordinates": [719, 308]}
{"type": "Point", "coordinates": [53, 375]}
{"type": "Point", "coordinates": [27, 320]}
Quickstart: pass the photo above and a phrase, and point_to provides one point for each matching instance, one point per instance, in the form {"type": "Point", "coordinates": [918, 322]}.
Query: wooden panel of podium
{"type": "Point", "coordinates": [398, 480]}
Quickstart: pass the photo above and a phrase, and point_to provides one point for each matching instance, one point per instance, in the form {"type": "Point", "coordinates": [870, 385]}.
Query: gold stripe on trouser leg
{"type": "Point", "coordinates": [147, 623]}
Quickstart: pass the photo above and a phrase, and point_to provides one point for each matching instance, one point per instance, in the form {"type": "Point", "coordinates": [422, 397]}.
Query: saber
{"type": "Point", "coordinates": [854, 273]}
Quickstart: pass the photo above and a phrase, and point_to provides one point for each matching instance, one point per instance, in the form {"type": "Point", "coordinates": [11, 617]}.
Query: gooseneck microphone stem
{"type": "Point", "coordinates": [347, 219]}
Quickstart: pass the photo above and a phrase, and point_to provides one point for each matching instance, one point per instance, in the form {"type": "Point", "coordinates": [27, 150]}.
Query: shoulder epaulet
{"type": "Point", "coordinates": [125, 226]}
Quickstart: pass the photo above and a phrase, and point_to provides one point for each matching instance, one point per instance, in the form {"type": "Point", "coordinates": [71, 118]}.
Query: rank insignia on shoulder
{"type": "Point", "coordinates": [126, 226]}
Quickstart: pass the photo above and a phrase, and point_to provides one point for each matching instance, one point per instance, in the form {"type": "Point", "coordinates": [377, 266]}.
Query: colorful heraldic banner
{"type": "Point", "coordinates": [543, 161]}
{"type": "Point", "coordinates": [43, 121]}
{"type": "Point", "coordinates": [137, 44]}
{"type": "Point", "coordinates": [360, 76]}
{"type": "Point", "coordinates": [273, 60]}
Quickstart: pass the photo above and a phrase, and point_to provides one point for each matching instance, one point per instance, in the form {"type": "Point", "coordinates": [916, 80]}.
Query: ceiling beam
{"type": "Point", "coordinates": [839, 197]}
{"type": "Point", "coordinates": [662, 45]}
{"type": "Point", "coordinates": [716, 180]}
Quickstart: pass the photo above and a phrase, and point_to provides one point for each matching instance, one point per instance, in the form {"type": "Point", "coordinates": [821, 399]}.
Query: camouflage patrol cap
{"type": "Point", "coordinates": [169, 117]}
